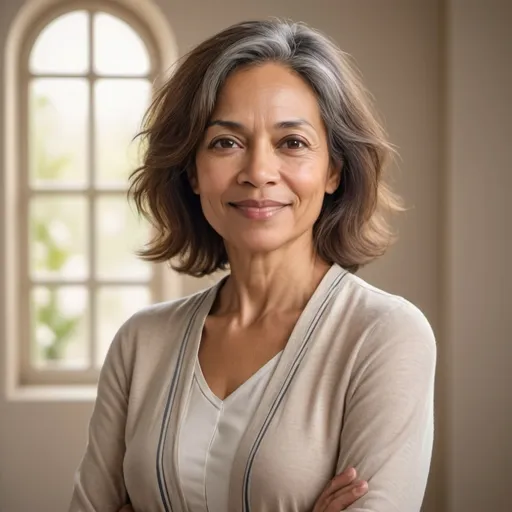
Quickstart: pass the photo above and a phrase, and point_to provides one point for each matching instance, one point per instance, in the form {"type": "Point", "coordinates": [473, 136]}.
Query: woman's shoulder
{"type": "Point", "coordinates": [159, 325]}
{"type": "Point", "coordinates": [389, 337]}
{"type": "Point", "coordinates": [177, 310]}
{"type": "Point", "coordinates": [381, 311]}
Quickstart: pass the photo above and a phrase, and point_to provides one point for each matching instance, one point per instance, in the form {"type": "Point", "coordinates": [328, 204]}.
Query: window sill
{"type": "Point", "coordinates": [86, 394]}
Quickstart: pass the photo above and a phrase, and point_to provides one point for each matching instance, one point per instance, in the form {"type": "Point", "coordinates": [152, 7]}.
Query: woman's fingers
{"type": "Point", "coordinates": [343, 498]}
{"type": "Point", "coordinates": [338, 483]}
{"type": "Point", "coordinates": [343, 479]}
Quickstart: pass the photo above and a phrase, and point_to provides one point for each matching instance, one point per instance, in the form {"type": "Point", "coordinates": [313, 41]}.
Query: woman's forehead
{"type": "Point", "coordinates": [271, 91]}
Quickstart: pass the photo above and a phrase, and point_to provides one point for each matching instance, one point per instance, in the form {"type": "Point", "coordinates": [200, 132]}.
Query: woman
{"type": "Point", "coordinates": [263, 154]}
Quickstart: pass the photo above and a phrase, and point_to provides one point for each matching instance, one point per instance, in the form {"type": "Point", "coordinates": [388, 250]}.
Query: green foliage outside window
{"type": "Point", "coordinates": [47, 315]}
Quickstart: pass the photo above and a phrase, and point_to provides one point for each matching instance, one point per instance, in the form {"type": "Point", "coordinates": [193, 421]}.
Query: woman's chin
{"type": "Point", "coordinates": [253, 243]}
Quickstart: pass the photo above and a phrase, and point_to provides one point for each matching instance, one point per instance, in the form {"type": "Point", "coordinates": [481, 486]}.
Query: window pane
{"type": "Point", "coordinates": [57, 237]}
{"type": "Point", "coordinates": [114, 306]}
{"type": "Point", "coordinates": [59, 327]}
{"type": "Point", "coordinates": [62, 46]}
{"type": "Point", "coordinates": [119, 108]}
{"type": "Point", "coordinates": [119, 233]}
{"type": "Point", "coordinates": [58, 131]}
{"type": "Point", "coordinates": [118, 49]}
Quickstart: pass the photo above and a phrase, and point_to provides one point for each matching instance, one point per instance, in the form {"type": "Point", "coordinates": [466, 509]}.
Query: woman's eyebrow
{"type": "Point", "coordinates": [227, 124]}
{"type": "Point", "coordinates": [233, 125]}
{"type": "Point", "coordinates": [294, 123]}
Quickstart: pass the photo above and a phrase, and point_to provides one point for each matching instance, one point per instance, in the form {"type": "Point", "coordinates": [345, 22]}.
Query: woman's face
{"type": "Point", "coordinates": [263, 167]}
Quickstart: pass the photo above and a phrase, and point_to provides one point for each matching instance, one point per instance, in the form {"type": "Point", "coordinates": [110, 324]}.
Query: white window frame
{"type": "Point", "coordinates": [148, 22]}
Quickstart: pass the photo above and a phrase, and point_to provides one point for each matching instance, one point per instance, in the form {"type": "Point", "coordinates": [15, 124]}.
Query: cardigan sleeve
{"type": "Point", "coordinates": [99, 482]}
{"type": "Point", "coordinates": [387, 432]}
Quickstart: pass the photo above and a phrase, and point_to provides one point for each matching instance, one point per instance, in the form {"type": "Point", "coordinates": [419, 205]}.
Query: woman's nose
{"type": "Point", "coordinates": [261, 167]}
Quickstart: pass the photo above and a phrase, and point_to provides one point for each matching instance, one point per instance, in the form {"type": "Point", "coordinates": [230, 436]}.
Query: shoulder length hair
{"type": "Point", "coordinates": [352, 228]}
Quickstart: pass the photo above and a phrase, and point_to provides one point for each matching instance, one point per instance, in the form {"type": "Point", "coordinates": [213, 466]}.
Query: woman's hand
{"type": "Point", "coordinates": [341, 492]}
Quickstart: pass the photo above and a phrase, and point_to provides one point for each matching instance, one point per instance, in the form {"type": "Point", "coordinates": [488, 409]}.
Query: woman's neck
{"type": "Point", "coordinates": [260, 285]}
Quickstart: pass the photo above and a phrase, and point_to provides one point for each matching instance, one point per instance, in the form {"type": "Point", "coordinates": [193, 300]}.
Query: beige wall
{"type": "Point", "coordinates": [433, 77]}
{"type": "Point", "coordinates": [479, 253]}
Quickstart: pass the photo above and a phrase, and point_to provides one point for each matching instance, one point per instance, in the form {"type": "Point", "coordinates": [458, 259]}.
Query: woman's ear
{"type": "Point", "coordinates": [333, 177]}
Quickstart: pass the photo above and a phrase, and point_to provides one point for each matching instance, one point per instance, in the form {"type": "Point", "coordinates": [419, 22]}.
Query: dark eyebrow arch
{"type": "Point", "coordinates": [294, 123]}
{"type": "Point", "coordinates": [233, 125]}
{"type": "Point", "coordinates": [227, 124]}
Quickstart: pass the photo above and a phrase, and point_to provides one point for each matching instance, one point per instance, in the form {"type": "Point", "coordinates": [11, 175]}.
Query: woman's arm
{"type": "Point", "coordinates": [99, 483]}
{"type": "Point", "coordinates": [388, 428]}
{"type": "Point", "coordinates": [343, 490]}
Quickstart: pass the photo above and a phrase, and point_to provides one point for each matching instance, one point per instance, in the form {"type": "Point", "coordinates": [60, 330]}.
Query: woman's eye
{"type": "Point", "coordinates": [224, 144]}
{"type": "Point", "coordinates": [294, 144]}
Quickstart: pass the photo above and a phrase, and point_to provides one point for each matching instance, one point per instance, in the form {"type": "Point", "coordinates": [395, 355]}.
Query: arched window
{"type": "Point", "coordinates": [85, 78]}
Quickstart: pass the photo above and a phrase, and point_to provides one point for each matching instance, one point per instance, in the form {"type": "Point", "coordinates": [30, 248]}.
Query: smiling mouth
{"type": "Point", "coordinates": [258, 211]}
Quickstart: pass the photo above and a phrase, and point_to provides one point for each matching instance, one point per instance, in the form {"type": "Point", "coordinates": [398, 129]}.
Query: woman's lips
{"type": "Point", "coordinates": [258, 210]}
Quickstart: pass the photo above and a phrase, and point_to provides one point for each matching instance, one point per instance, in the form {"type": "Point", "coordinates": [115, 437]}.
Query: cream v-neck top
{"type": "Point", "coordinates": [354, 386]}
{"type": "Point", "coordinates": [210, 436]}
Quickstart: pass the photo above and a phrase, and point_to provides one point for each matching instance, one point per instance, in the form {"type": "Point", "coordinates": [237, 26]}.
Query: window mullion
{"type": "Point", "coordinates": [92, 199]}
{"type": "Point", "coordinates": [92, 76]}
{"type": "Point", "coordinates": [25, 290]}
{"type": "Point", "coordinates": [66, 191]}
{"type": "Point", "coordinates": [88, 282]}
